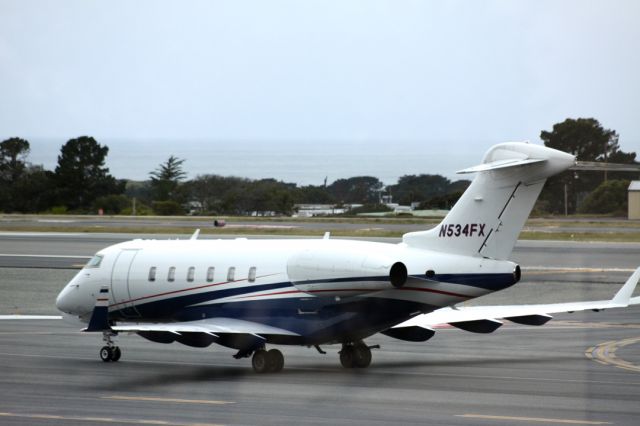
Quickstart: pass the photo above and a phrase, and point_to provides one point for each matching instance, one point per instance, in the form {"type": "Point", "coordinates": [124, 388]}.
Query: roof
{"type": "Point", "coordinates": [634, 185]}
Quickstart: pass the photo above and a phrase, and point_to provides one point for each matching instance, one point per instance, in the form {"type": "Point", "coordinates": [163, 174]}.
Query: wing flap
{"type": "Point", "coordinates": [211, 326]}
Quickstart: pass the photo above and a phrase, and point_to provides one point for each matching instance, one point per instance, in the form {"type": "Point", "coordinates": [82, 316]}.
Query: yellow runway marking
{"type": "Point", "coordinates": [605, 353]}
{"type": "Point", "coordinates": [175, 400]}
{"type": "Point", "coordinates": [533, 419]}
{"type": "Point", "coordinates": [35, 416]}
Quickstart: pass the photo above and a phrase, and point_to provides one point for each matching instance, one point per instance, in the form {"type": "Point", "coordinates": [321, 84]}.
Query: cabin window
{"type": "Point", "coordinates": [152, 273]}
{"type": "Point", "coordinates": [191, 273]}
{"type": "Point", "coordinates": [210, 272]}
{"type": "Point", "coordinates": [95, 261]}
{"type": "Point", "coordinates": [252, 274]}
{"type": "Point", "coordinates": [171, 276]}
{"type": "Point", "coordinates": [231, 275]}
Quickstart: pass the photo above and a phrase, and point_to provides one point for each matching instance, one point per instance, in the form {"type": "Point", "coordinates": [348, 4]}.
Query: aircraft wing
{"type": "Point", "coordinates": [485, 319]}
{"type": "Point", "coordinates": [211, 326]}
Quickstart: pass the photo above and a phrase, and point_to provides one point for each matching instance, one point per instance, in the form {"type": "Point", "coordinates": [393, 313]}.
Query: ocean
{"type": "Point", "coordinates": [301, 163]}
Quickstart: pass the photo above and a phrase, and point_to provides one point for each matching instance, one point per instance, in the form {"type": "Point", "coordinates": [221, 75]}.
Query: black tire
{"type": "Point", "coordinates": [116, 354]}
{"type": "Point", "coordinates": [347, 357]}
{"type": "Point", "coordinates": [260, 361]}
{"type": "Point", "coordinates": [275, 359]}
{"type": "Point", "coordinates": [361, 356]}
{"type": "Point", "coordinates": [106, 354]}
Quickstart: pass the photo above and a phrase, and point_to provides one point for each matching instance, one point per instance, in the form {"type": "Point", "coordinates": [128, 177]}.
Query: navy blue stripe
{"type": "Point", "coordinates": [492, 282]}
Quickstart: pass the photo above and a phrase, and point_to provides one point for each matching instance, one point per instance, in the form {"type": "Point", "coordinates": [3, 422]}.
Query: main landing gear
{"type": "Point", "coordinates": [110, 352]}
{"type": "Point", "coordinates": [270, 361]}
{"type": "Point", "coordinates": [356, 355]}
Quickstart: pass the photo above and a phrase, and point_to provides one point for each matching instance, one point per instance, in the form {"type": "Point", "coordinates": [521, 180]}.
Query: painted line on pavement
{"type": "Point", "coordinates": [574, 269]}
{"type": "Point", "coordinates": [55, 256]}
{"type": "Point", "coordinates": [58, 418]}
{"type": "Point", "coordinates": [174, 400]}
{"type": "Point", "coordinates": [605, 353]}
{"type": "Point", "coordinates": [533, 419]}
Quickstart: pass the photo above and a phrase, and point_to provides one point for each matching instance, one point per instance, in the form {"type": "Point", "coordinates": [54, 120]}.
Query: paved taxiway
{"type": "Point", "coordinates": [581, 368]}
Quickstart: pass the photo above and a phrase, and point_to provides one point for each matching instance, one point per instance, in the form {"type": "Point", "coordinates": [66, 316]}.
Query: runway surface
{"type": "Point", "coordinates": [581, 368]}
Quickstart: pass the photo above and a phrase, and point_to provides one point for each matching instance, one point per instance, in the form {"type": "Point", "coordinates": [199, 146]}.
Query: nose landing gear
{"type": "Point", "coordinates": [110, 352]}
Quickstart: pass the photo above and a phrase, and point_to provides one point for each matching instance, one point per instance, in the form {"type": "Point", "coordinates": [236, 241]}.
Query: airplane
{"type": "Point", "coordinates": [247, 294]}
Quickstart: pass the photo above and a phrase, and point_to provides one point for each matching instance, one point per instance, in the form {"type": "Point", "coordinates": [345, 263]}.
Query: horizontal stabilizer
{"type": "Point", "coordinates": [410, 334]}
{"type": "Point", "coordinates": [478, 326]}
{"type": "Point", "coordinates": [500, 164]}
{"type": "Point", "coordinates": [530, 319]}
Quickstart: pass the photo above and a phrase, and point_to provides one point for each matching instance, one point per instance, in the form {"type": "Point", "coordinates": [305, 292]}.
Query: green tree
{"type": "Point", "coordinates": [411, 188]}
{"type": "Point", "coordinates": [13, 153]}
{"type": "Point", "coordinates": [166, 178]}
{"type": "Point", "coordinates": [81, 175]}
{"type": "Point", "coordinates": [609, 197]}
{"type": "Point", "coordinates": [358, 189]}
{"type": "Point", "coordinates": [588, 141]}
{"type": "Point", "coordinates": [311, 194]}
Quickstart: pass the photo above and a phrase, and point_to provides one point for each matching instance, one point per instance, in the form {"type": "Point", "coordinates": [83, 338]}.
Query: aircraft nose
{"type": "Point", "coordinates": [63, 301]}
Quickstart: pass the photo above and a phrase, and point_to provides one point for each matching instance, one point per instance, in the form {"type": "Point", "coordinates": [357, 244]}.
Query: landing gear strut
{"type": "Point", "coordinates": [110, 352]}
{"type": "Point", "coordinates": [270, 361]}
{"type": "Point", "coordinates": [355, 355]}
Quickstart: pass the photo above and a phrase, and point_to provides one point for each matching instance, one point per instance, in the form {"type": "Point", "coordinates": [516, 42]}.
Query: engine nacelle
{"type": "Point", "coordinates": [335, 271]}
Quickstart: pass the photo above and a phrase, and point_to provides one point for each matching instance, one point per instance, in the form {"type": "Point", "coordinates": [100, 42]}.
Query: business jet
{"type": "Point", "coordinates": [251, 294]}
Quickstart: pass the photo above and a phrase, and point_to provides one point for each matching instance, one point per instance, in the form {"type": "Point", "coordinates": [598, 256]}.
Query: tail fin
{"type": "Point", "coordinates": [488, 218]}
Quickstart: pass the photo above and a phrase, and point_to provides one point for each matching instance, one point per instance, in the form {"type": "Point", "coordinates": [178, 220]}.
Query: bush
{"type": "Point", "coordinates": [58, 210]}
{"type": "Point", "coordinates": [141, 210]}
{"type": "Point", "coordinates": [608, 198]}
{"type": "Point", "coordinates": [111, 204]}
{"type": "Point", "coordinates": [167, 208]}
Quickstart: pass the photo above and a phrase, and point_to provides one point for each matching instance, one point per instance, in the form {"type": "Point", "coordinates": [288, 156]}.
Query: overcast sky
{"type": "Point", "coordinates": [452, 75]}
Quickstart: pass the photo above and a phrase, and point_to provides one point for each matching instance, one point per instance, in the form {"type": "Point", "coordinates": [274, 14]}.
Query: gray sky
{"type": "Point", "coordinates": [452, 76]}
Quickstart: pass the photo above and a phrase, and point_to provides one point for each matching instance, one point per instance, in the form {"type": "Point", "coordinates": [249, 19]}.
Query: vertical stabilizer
{"type": "Point", "coordinates": [488, 218]}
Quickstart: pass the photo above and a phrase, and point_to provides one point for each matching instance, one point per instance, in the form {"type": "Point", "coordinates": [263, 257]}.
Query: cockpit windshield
{"type": "Point", "coordinates": [95, 261]}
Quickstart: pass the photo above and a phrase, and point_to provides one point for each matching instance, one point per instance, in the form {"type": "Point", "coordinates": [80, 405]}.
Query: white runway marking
{"type": "Point", "coordinates": [533, 419]}
{"type": "Point", "coordinates": [58, 256]}
{"type": "Point", "coordinates": [574, 269]}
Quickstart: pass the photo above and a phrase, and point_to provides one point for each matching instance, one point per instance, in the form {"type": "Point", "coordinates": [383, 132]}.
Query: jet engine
{"type": "Point", "coordinates": [335, 271]}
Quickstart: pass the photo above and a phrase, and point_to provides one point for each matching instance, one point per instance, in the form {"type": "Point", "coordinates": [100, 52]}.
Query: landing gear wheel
{"type": "Point", "coordinates": [275, 360]}
{"type": "Point", "coordinates": [361, 356]}
{"type": "Point", "coordinates": [116, 354]}
{"type": "Point", "coordinates": [347, 357]}
{"type": "Point", "coordinates": [106, 354]}
{"type": "Point", "coordinates": [259, 361]}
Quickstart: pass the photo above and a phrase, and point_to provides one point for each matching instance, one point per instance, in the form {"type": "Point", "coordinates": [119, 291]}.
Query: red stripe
{"type": "Point", "coordinates": [427, 290]}
{"type": "Point", "coordinates": [183, 290]}
{"type": "Point", "coordinates": [431, 290]}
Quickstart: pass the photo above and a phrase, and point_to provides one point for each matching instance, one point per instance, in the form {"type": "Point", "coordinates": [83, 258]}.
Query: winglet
{"type": "Point", "coordinates": [195, 234]}
{"type": "Point", "coordinates": [100, 317]}
{"type": "Point", "coordinates": [623, 296]}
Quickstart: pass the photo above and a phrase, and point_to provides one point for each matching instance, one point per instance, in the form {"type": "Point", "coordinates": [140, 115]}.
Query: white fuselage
{"type": "Point", "coordinates": [278, 281]}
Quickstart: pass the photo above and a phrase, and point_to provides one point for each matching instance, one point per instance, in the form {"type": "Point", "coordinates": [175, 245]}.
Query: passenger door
{"type": "Point", "coordinates": [120, 283]}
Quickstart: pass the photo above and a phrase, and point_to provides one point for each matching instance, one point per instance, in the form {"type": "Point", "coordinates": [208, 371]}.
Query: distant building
{"type": "Point", "coordinates": [311, 210]}
{"type": "Point", "coordinates": [634, 199]}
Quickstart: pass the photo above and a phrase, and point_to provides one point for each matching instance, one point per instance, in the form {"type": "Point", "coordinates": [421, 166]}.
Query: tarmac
{"type": "Point", "coordinates": [581, 368]}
